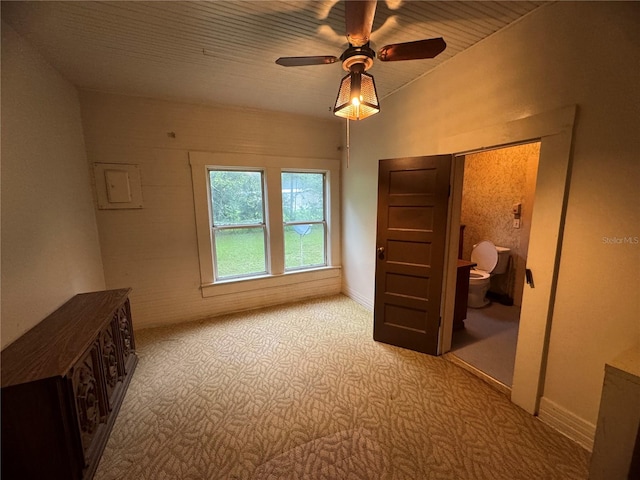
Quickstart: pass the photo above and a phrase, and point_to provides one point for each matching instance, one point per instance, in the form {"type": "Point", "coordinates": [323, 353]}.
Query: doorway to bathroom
{"type": "Point", "coordinates": [497, 206]}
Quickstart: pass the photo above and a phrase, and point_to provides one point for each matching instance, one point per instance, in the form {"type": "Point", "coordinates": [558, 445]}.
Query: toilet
{"type": "Point", "coordinates": [490, 260]}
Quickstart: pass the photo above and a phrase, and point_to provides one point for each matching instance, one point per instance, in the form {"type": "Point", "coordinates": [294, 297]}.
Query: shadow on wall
{"type": "Point", "coordinates": [494, 182]}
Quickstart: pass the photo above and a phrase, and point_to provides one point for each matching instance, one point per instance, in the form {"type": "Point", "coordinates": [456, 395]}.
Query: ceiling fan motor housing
{"type": "Point", "coordinates": [357, 55]}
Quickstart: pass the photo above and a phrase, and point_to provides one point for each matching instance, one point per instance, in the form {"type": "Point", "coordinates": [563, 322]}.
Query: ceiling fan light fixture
{"type": "Point", "coordinates": [357, 97]}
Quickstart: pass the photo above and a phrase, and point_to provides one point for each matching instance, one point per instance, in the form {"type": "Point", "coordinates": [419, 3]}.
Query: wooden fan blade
{"type": "Point", "coordinates": [358, 17]}
{"type": "Point", "coordinates": [304, 61]}
{"type": "Point", "coordinates": [412, 50]}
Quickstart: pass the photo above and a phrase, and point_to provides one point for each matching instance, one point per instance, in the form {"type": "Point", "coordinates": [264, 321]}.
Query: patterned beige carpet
{"type": "Point", "coordinates": [303, 392]}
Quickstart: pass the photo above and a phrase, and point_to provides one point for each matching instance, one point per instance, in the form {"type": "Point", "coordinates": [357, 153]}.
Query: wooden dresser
{"type": "Point", "coordinates": [62, 385]}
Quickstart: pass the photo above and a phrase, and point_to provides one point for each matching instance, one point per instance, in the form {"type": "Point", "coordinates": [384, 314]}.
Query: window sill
{"type": "Point", "coordinates": [230, 287]}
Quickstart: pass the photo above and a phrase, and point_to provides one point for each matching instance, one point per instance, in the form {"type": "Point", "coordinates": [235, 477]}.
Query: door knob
{"type": "Point", "coordinates": [381, 253]}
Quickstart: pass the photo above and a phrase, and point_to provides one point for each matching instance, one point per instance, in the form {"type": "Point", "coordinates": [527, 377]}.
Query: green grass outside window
{"type": "Point", "coordinates": [241, 252]}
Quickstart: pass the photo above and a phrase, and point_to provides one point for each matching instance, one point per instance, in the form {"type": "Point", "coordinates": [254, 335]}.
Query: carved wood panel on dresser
{"type": "Point", "coordinates": [62, 386]}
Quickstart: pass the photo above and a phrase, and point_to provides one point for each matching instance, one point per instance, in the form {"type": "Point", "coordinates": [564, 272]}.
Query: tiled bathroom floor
{"type": "Point", "coordinates": [488, 341]}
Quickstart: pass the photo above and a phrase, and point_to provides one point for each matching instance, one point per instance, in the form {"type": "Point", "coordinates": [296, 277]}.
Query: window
{"type": "Point", "coordinates": [266, 226]}
{"type": "Point", "coordinates": [238, 226]}
{"type": "Point", "coordinates": [303, 211]}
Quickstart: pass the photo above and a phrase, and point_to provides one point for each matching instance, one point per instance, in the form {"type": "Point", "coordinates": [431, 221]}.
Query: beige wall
{"type": "Point", "coordinates": [50, 247]}
{"type": "Point", "coordinates": [154, 250]}
{"type": "Point", "coordinates": [548, 60]}
{"type": "Point", "coordinates": [493, 182]}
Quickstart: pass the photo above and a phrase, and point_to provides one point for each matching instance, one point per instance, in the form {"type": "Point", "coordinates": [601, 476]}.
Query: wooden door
{"type": "Point", "coordinates": [413, 195]}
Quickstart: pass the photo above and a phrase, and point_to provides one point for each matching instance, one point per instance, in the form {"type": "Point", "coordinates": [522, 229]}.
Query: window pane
{"type": "Point", "coordinates": [240, 252]}
{"type": "Point", "coordinates": [304, 246]}
{"type": "Point", "coordinates": [236, 197]}
{"type": "Point", "coordinates": [303, 197]}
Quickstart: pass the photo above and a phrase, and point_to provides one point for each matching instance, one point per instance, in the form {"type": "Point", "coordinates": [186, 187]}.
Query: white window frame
{"type": "Point", "coordinates": [262, 225]}
{"type": "Point", "coordinates": [202, 162]}
{"type": "Point", "coordinates": [322, 222]}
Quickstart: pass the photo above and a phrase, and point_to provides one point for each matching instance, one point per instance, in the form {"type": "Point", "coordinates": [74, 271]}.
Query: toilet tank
{"type": "Point", "coordinates": [503, 260]}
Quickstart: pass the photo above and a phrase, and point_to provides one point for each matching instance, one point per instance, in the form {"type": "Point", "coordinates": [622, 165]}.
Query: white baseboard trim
{"type": "Point", "coordinates": [357, 297]}
{"type": "Point", "coordinates": [568, 424]}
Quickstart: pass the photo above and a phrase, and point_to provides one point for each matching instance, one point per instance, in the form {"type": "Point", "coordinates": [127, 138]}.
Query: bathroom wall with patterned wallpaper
{"type": "Point", "coordinates": [493, 182]}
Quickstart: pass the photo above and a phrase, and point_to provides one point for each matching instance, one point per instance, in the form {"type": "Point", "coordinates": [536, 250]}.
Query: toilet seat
{"type": "Point", "coordinates": [478, 280]}
{"type": "Point", "coordinates": [478, 275]}
{"type": "Point", "coordinates": [485, 256]}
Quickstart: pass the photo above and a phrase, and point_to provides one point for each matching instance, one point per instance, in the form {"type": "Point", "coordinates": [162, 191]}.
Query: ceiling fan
{"type": "Point", "coordinates": [357, 97]}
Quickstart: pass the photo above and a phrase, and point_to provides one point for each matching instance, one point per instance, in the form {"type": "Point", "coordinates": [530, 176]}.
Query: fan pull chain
{"type": "Point", "coordinates": [348, 144]}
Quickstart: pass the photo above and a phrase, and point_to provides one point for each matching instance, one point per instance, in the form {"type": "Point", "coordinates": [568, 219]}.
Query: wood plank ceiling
{"type": "Point", "coordinates": [223, 52]}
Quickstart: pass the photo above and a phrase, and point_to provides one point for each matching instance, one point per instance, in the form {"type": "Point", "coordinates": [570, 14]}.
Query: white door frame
{"type": "Point", "coordinates": [554, 130]}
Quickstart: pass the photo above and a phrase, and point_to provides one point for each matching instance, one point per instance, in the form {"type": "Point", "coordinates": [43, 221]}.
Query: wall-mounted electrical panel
{"type": "Point", "coordinates": [118, 185]}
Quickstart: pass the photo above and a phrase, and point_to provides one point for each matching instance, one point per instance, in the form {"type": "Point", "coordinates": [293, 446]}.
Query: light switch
{"type": "Point", "coordinates": [516, 209]}
{"type": "Point", "coordinates": [118, 186]}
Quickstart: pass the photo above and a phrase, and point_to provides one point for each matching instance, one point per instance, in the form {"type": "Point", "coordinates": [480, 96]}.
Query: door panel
{"type": "Point", "coordinates": [412, 219]}
{"type": "Point", "coordinates": [412, 181]}
{"type": "Point", "coordinates": [412, 286]}
{"type": "Point", "coordinates": [408, 253]}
